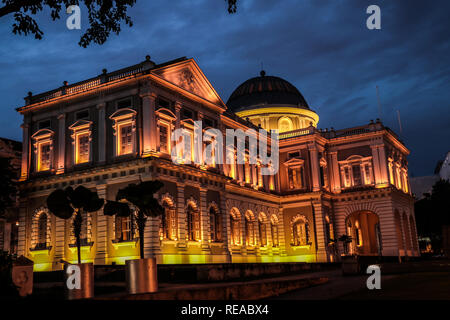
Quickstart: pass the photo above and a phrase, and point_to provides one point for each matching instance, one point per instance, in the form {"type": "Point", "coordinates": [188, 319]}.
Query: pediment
{"type": "Point", "coordinates": [42, 133]}
{"type": "Point", "coordinates": [294, 162]}
{"type": "Point", "coordinates": [80, 124]}
{"type": "Point", "coordinates": [188, 76]}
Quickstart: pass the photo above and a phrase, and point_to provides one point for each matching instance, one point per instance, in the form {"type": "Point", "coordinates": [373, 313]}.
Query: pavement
{"type": "Point", "coordinates": [336, 287]}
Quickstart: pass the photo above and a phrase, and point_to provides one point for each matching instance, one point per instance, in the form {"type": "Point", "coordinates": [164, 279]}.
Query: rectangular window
{"type": "Point", "coordinates": [125, 139]}
{"type": "Point", "coordinates": [82, 155]}
{"type": "Point", "coordinates": [356, 170]}
{"type": "Point", "coordinates": [44, 157]}
{"type": "Point", "coordinates": [295, 178]}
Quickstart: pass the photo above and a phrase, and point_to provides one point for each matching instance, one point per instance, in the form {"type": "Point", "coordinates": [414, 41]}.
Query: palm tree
{"type": "Point", "coordinates": [65, 203]}
{"type": "Point", "coordinates": [140, 195]}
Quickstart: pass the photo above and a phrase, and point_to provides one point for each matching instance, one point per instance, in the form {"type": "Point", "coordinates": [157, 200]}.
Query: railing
{"type": "Point", "coordinates": [294, 133]}
{"type": "Point", "coordinates": [352, 131]}
{"type": "Point", "coordinates": [85, 85]}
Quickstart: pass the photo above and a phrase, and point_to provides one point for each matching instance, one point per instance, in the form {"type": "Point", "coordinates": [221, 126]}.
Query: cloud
{"type": "Point", "coordinates": [322, 47]}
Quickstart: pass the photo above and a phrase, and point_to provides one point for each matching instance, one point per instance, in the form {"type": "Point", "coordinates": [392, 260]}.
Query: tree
{"type": "Point", "coordinates": [8, 189]}
{"type": "Point", "coordinates": [433, 212]}
{"type": "Point", "coordinates": [66, 203]}
{"type": "Point", "coordinates": [104, 16]}
{"type": "Point", "coordinates": [142, 197]}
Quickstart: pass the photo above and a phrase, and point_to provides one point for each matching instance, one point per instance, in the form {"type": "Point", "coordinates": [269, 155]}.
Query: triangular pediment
{"type": "Point", "coordinates": [294, 162]}
{"type": "Point", "coordinates": [188, 76]}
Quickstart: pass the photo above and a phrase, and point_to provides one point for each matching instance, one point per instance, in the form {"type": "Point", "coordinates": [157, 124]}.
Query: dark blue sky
{"type": "Point", "coordinates": [322, 47]}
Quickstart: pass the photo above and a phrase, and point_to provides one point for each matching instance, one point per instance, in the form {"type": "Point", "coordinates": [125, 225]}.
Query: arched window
{"type": "Point", "coordinates": [167, 228]}
{"type": "Point", "coordinates": [125, 228]}
{"type": "Point", "coordinates": [215, 224]}
{"type": "Point", "coordinates": [300, 232]}
{"type": "Point", "coordinates": [262, 231]}
{"type": "Point", "coordinates": [193, 223]}
{"type": "Point", "coordinates": [42, 232]}
{"type": "Point", "coordinates": [249, 230]}
{"type": "Point", "coordinates": [235, 227]}
{"type": "Point", "coordinates": [285, 124]}
{"type": "Point", "coordinates": [274, 231]}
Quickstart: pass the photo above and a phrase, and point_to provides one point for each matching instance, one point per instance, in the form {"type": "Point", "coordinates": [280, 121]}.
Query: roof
{"type": "Point", "coordinates": [264, 90]}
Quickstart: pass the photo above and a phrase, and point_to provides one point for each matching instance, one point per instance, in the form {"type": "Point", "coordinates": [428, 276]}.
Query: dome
{"type": "Point", "coordinates": [265, 90]}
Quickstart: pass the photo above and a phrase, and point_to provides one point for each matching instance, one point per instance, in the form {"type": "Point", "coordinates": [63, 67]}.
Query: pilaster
{"type": "Point", "coordinates": [102, 230]}
{"type": "Point", "coordinates": [148, 122]}
{"type": "Point", "coordinates": [181, 214]}
{"type": "Point", "coordinates": [315, 170]}
{"type": "Point", "coordinates": [101, 132]}
{"type": "Point", "coordinates": [61, 143]}
{"type": "Point", "coordinates": [25, 151]}
{"type": "Point", "coordinates": [204, 220]}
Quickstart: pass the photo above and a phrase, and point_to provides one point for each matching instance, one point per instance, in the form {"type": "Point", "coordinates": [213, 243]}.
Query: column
{"type": "Point", "coordinates": [177, 114]}
{"type": "Point", "coordinates": [281, 232]}
{"type": "Point", "coordinates": [60, 241]}
{"type": "Point", "coordinates": [204, 220]}
{"type": "Point", "coordinates": [22, 236]}
{"type": "Point", "coordinates": [376, 165]}
{"type": "Point", "coordinates": [315, 171]}
{"type": "Point", "coordinates": [61, 143]}
{"type": "Point", "coordinates": [225, 226]}
{"type": "Point", "coordinates": [383, 164]}
{"type": "Point", "coordinates": [254, 175]}
{"type": "Point", "coordinates": [240, 173]}
{"type": "Point", "coordinates": [181, 213]}
{"type": "Point", "coordinates": [335, 172]}
{"type": "Point", "coordinates": [148, 123]}
{"type": "Point", "coordinates": [102, 230]}
{"type": "Point", "coordinates": [321, 246]}
{"type": "Point", "coordinates": [198, 142]}
{"type": "Point", "coordinates": [25, 150]}
{"type": "Point", "coordinates": [101, 132]}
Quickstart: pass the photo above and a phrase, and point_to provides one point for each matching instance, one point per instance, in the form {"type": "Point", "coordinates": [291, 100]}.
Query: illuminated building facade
{"type": "Point", "coordinates": [115, 129]}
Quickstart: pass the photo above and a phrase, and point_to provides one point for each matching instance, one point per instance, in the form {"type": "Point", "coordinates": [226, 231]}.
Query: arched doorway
{"type": "Point", "coordinates": [364, 229]}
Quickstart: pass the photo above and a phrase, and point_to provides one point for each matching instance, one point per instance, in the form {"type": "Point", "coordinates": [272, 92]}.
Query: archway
{"type": "Point", "coordinates": [363, 227]}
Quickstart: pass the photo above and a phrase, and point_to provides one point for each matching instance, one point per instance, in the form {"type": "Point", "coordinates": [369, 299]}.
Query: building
{"type": "Point", "coordinates": [10, 149]}
{"type": "Point", "coordinates": [424, 184]}
{"type": "Point", "coordinates": [114, 129]}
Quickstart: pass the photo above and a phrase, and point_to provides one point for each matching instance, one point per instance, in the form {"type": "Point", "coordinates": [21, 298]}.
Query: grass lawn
{"type": "Point", "coordinates": [420, 286]}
